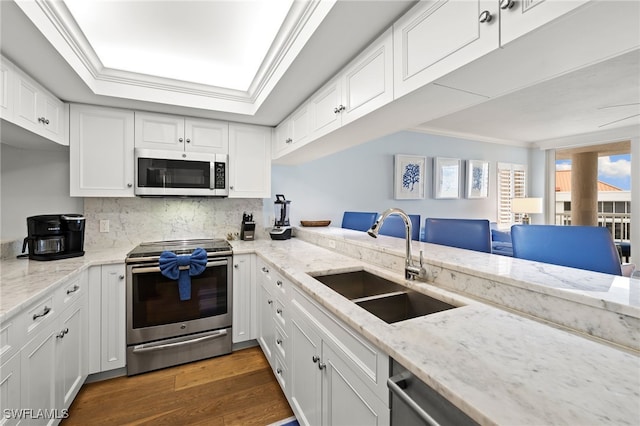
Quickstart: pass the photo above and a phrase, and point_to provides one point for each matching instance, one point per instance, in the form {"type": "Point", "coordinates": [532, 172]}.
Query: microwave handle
{"type": "Point", "coordinates": [212, 175]}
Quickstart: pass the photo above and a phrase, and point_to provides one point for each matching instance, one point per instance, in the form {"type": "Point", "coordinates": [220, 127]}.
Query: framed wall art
{"type": "Point", "coordinates": [477, 179]}
{"type": "Point", "coordinates": [409, 179]}
{"type": "Point", "coordinates": [446, 178]}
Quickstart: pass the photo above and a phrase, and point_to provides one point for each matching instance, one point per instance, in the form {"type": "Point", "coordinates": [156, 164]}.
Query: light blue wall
{"type": "Point", "coordinates": [361, 178]}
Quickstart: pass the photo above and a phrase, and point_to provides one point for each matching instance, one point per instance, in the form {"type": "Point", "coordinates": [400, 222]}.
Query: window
{"type": "Point", "coordinates": [512, 183]}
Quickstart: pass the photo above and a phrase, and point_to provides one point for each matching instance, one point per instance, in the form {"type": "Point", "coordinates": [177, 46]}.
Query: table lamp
{"type": "Point", "coordinates": [526, 206]}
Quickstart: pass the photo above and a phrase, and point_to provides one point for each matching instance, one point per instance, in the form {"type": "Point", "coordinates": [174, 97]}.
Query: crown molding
{"type": "Point", "coordinates": [56, 23]}
{"type": "Point", "coordinates": [468, 136]}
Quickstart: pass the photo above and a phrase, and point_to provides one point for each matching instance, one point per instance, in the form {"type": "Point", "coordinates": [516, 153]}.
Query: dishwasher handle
{"type": "Point", "coordinates": [396, 385]}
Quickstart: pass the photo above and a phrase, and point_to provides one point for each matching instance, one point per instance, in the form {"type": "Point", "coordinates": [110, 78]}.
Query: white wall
{"type": "Point", "coordinates": [33, 182]}
{"type": "Point", "coordinates": [361, 178]}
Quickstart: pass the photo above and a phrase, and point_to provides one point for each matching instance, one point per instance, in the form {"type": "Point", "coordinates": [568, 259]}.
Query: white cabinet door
{"type": "Point", "coordinates": [72, 350]}
{"type": "Point", "coordinates": [305, 378]}
{"type": "Point", "coordinates": [437, 37]}
{"type": "Point", "coordinates": [206, 136]}
{"type": "Point", "coordinates": [345, 399]}
{"type": "Point", "coordinates": [37, 371]}
{"type": "Point", "coordinates": [94, 319]}
{"type": "Point", "coordinates": [6, 89]}
{"type": "Point", "coordinates": [113, 326]}
{"type": "Point", "coordinates": [368, 80]}
{"type": "Point", "coordinates": [159, 131]}
{"type": "Point", "coordinates": [519, 17]}
{"type": "Point", "coordinates": [10, 389]}
{"type": "Point", "coordinates": [282, 138]}
{"type": "Point", "coordinates": [101, 152]}
{"type": "Point", "coordinates": [244, 297]}
{"type": "Point", "coordinates": [249, 161]}
{"type": "Point", "coordinates": [38, 111]}
{"type": "Point", "coordinates": [266, 326]}
{"type": "Point", "coordinates": [325, 109]}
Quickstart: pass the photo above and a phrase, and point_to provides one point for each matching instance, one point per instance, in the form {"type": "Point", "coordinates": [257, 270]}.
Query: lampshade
{"type": "Point", "coordinates": [526, 205]}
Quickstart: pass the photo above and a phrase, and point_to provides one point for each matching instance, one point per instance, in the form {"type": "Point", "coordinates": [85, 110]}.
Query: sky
{"type": "Point", "coordinates": [614, 170]}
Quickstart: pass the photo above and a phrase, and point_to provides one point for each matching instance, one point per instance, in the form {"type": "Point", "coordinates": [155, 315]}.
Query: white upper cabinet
{"type": "Point", "coordinates": [101, 152]}
{"type": "Point", "coordinates": [6, 89]}
{"type": "Point", "coordinates": [31, 106]}
{"type": "Point", "coordinates": [294, 131]}
{"type": "Point", "coordinates": [326, 107]}
{"type": "Point", "coordinates": [249, 161]}
{"type": "Point", "coordinates": [170, 132]}
{"type": "Point", "coordinates": [518, 17]}
{"type": "Point", "coordinates": [436, 37]}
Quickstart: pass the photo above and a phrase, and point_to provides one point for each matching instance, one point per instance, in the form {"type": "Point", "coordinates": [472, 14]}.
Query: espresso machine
{"type": "Point", "coordinates": [281, 229]}
{"type": "Point", "coordinates": [54, 236]}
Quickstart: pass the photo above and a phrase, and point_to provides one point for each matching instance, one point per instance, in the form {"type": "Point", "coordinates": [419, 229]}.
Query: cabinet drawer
{"type": "Point", "coordinates": [280, 313]}
{"type": "Point", "coordinates": [38, 316]}
{"type": "Point", "coordinates": [71, 291]}
{"type": "Point", "coordinates": [11, 337]}
{"type": "Point", "coordinates": [371, 364]}
{"type": "Point", "coordinates": [264, 275]}
{"type": "Point", "coordinates": [281, 343]}
{"type": "Point", "coordinates": [282, 374]}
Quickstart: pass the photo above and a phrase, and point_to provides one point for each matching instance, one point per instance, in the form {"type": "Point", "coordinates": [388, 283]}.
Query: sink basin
{"type": "Point", "coordinates": [359, 284]}
{"type": "Point", "coordinates": [402, 306]}
{"type": "Point", "coordinates": [389, 301]}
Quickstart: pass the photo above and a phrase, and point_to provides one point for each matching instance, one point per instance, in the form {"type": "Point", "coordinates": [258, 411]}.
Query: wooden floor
{"type": "Point", "coordinates": [230, 390]}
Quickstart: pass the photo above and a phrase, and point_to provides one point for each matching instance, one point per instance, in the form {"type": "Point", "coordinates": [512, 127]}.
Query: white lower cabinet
{"type": "Point", "coordinates": [324, 388]}
{"type": "Point", "coordinates": [244, 297]}
{"type": "Point", "coordinates": [71, 352]}
{"type": "Point", "coordinates": [266, 327]}
{"type": "Point", "coordinates": [107, 321]}
{"type": "Point", "coordinates": [10, 389]}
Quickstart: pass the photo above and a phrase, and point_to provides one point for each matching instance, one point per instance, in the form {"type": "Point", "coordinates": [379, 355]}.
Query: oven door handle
{"type": "Point", "coordinates": [149, 347]}
{"type": "Point", "coordinates": [182, 268]}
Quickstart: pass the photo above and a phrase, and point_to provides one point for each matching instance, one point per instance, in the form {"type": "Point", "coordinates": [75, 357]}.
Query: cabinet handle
{"type": "Point", "coordinates": [265, 270]}
{"type": "Point", "coordinates": [315, 358]}
{"type": "Point", "coordinates": [73, 290]}
{"type": "Point", "coordinates": [279, 311]}
{"type": "Point", "coordinates": [506, 4]}
{"type": "Point", "coordinates": [289, 140]}
{"type": "Point", "coordinates": [62, 333]}
{"type": "Point", "coordinates": [341, 108]}
{"type": "Point", "coordinates": [231, 187]}
{"type": "Point", "coordinates": [236, 266]}
{"type": "Point", "coordinates": [43, 120]}
{"type": "Point", "coordinates": [269, 301]}
{"type": "Point", "coordinates": [322, 366]}
{"type": "Point", "coordinates": [279, 341]}
{"type": "Point", "coordinates": [485, 16]}
{"type": "Point", "coordinates": [45, 311]}
{"type": "Point", "coordinates": [129, 185]}
{"type": "Point", "coordinates": [180, 140]}
{"type": "Point", "coordinates": [279, 371]}
{"type": "Point", "coordinates": [336, 110]}
{"type": "Point", "coordinates": [188, 140]}
{"type": "Point", "coordinates": [279, 283]}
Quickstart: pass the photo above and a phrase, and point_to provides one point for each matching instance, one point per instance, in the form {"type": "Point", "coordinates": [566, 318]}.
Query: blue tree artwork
{"type": "Point", "coordinates": [411, 176]}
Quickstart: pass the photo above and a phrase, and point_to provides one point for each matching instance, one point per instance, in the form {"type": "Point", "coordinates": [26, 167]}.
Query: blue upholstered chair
{"type": "Point", "coordinates": [360, 221]}
{"type": "Point", "coordinates": [582, 247]}
{"type": "Point", "coordinates": [470, 234]}
{"type": "Point", "coordinates": [394, 226]}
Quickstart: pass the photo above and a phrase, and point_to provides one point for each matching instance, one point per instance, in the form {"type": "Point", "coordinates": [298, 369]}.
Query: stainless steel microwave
{"type": "Point", "coordinates": [178, 173]}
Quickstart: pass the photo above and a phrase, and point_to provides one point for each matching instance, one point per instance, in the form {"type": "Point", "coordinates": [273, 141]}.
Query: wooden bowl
{"type": "Point", "coordinates": [315, 222]}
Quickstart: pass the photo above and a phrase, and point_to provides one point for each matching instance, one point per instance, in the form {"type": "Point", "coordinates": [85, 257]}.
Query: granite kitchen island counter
{"type": "Point", "coordinates": [497, 366]}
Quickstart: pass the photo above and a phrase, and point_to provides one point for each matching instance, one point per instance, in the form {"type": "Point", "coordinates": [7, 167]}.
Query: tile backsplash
{"type": "Point", "coordinates": [133, 220]}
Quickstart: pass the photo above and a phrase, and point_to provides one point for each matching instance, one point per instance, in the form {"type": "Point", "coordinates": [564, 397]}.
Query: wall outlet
{"type": "Point", "coordinates": [104, 225]}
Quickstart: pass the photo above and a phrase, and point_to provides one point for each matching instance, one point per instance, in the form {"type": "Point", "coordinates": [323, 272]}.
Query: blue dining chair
{"type": "Point", "coordinates": [470, 234]}
{"type": "Point", "coordinates": [394, 226]}
{"type": "Point", "coordinates": [359, 221]}
{"type": "Point", "coordinates": [583, 247]}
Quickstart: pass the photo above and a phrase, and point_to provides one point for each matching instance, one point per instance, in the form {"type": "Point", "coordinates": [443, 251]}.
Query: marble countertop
{"type": "Point", "coordinates": [498, 367]}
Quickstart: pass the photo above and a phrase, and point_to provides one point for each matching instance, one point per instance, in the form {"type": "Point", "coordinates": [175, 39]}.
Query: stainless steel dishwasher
{"type": "Point", "coordinates": [415, 403]}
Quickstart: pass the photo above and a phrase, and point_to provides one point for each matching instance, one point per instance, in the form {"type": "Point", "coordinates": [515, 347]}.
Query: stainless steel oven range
{"type": "Point", "coordinates": [162, 329]}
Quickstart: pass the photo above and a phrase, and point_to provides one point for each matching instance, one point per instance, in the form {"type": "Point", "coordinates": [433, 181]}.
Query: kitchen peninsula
{"type": "Point", "coordinates": [497, 366]}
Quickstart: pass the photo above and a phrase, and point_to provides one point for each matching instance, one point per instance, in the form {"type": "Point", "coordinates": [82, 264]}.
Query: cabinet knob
{"type": "Point", "coordinates": [121, 277]}
{"type": "Point", "coordinates": [279, 341]}
{"type": "Point", "coordinates": [270, 301]}
{"type": "Point", "coordinates": [43, 120]}
{"type": "Point", "coordinates": [506, 4]}
{"type": "Point", "coordinates": [188, 140]}
{"type": "Point", "coordinates": [485, 16]}
{"type": "Point", "coordinates": [279, 311]}
{"type": "Point", "coordinates": [341, 108]}
{"type": "Point", "coordinates": [315, 359]}
{"type": "Point", "coordinates": [289, 140]}
{"type": "Point", "coordinates": [231, 187]}
{"type": "Point", "coordinates": [129, 185]}
{"type": "Point", "coordinates": [180, 140]}
{"type": "Point", "coordinates": [265, 270]}
{"type": "Point", "coordinates": [279, 283]}
{"type": "Point", "coordinates": [279, 371]}
{"type": "Point", "coordinates": [236, 266]}
{"type": "Point", "coordinates": [336, 110]}
{"type": "Point", "coordinates": [322, 366]}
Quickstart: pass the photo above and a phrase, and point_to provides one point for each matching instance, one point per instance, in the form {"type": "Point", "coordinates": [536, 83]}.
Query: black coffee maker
{"type": "Point", "coordinates": [54, 236]}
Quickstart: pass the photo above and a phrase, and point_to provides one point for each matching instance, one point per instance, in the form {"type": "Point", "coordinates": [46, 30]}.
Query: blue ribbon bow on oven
{"type": "Point", "coordinates": [170, 264]}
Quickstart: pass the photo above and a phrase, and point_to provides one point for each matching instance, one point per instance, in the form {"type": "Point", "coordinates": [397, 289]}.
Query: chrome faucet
{"type": "Point", "coordinates": [410, 270]}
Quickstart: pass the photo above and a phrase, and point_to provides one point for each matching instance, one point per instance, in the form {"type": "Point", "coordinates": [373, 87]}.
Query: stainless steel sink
{"type": "Point", "coordinates": [359, 284]}
{"type": "Point", "coordinates": [402, 306]}
{"type": "Point", "coordinates": [389, 301]}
